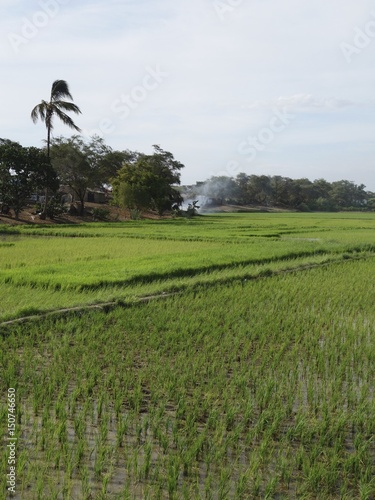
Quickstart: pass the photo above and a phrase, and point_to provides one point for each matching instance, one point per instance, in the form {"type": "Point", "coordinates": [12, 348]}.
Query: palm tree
{"type": "Point", "coordinates": [56, 106]}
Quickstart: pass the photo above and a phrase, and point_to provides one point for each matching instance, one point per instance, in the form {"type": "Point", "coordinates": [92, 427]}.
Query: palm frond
{"type": "Point", "coordinates": [60, 88]}
{"type": "Point", "coordinates": [66, 119]}
{"type": "Point", "coordinates": [45, 111]}
{"type": "Point", "coordinates": [40, 111]}
{"type": "Point", "coordinates": [67, 106]}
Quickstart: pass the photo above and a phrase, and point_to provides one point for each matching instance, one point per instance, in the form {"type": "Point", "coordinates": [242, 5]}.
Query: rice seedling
{"type": "Point", "coordinates": [101, 263]}
{"type": "Point", "coordinates": [232, 389]}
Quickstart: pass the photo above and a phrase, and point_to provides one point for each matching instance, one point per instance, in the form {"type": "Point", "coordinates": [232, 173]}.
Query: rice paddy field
{"type": "Point", "coordinates": [229, 357]}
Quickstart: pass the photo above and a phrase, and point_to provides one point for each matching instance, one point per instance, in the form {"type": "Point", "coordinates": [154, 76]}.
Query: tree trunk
{"type": "Point", "coordinates": [82, 201]}
{"type": "Point", "coordinates": [43, 215]}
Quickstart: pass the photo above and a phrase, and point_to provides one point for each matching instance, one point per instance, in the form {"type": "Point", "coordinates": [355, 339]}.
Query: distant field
{"type": "Point", "coordinates": [254, 379]}
{"type": "Point", "coordinates": [44, 268]}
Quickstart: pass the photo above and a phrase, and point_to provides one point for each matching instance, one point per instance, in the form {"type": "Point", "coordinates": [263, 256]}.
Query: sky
{"type": "Point", "coordinates": [264, 87]}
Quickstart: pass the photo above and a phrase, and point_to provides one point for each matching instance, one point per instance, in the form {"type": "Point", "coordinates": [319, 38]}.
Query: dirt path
{"type": "Point", "coordinates": [104, 306]}
{"type": "Point", "coordinates": [107, 306]}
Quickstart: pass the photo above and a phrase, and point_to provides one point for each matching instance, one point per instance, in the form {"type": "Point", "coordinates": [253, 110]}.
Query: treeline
{"type": "Point", "coordinates": [283, 192]}
{"type": "Point", "coordinates": [75, 165]}
{"type": "Point", "coordinates": [143, 182]}
{"type": "Point", "coordinates": [72, 165]}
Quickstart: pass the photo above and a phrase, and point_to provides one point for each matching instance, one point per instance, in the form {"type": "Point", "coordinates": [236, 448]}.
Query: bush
{"type": "Point", "coordinates": [303, 207]}
{"type": "Point", "coordinates": [55, 208]}
{"type": "Point", "coordinates": [100, 213]}
{"type": "Point", "coordinates": [135, 214]}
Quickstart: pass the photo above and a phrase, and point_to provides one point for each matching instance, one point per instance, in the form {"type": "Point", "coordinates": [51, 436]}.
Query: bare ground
{"type": "Point", "coordinates": [28, 216]}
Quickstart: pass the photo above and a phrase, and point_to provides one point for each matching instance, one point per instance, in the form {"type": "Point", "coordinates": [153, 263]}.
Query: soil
{"type": "Point", "coordinates": [28, 216]}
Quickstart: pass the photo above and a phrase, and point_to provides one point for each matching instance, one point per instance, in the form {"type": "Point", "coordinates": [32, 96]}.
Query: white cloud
{"type": "Point", "coordinates": [303, 103]}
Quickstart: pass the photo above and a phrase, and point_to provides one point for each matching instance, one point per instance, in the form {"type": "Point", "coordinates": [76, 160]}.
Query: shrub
{"type": "Point", "coordinates": [100, 213]}
{"type": "Point", "coordinates": [135, 214]}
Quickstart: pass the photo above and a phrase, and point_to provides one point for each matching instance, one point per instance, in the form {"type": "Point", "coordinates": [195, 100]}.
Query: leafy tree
{"type": "Point", "coordinates": [323, 196]}
{"type": "Point", "coordinates": [78, 164]}
{"type": "Point", "coordinates": [371, 202]}
{"type": "Point", "coordinates": [23, 171]}
{"type": "Point", "coordinates": [322, 188]}
{"type": "Point", "coordinates": [148, 181]}
{"type": "Point", "coordinates": [111, 162]}
{"type": "Point", "coordinates": [242, 182]}
{"type": "Point", "coordinates": [56, 106]}
{"type": "Point", "coordinates": [279, 189]}
{"type": "Point", "coordinates": [347, 194]}
{"type": "Point", "coordinates": [260, 189]}
{"type": "Point", "coordinates": [301, 194]}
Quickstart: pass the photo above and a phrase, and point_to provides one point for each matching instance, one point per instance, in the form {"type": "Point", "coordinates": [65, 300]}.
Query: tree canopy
{"type": "Point", "coordinates": [301, 194]}
{"type": "Point", "coordinates": [148, 182]}
{"type": "Point", "coordinates": [81, 164]}
{"type": "Point", "coordinates": [23, 171]}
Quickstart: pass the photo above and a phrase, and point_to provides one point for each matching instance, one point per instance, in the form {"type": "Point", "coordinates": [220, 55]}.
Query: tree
{"type": "Point", "coordinates": [242, 181]}
{"type": "Point", "coordinates": [148, 182]}
{"type": "Point", "coordinates": [370, 201]}
{"type": "Point", "coordinates": [45, 111]}
{"type": "Point", "coordinates": [278, 189]}
{"type": "Point", "coordinates": [23, 171]}
{"type": "Point", "coordinates": [302, 194]}
{"type": "Point", "coordinates": [111, 162]}
{"type": "Point", "coordinates": [323, 196]}
{"type": "Point", "coordinates": [347, 194]}
{"type": "Point", "coordinates": [260, 189]}
{"type": "Point", "coordinates": [78, 164]}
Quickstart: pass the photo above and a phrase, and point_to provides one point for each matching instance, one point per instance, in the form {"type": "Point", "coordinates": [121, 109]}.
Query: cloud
{"type": "Point", "coordinates": [302, 103]}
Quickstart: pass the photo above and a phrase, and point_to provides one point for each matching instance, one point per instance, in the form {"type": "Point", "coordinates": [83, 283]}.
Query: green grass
{"type": "Point", "coordinates": [48, 268]}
